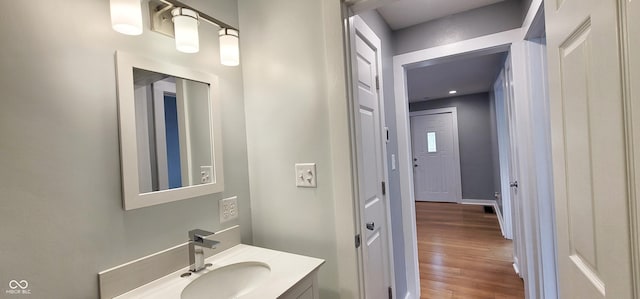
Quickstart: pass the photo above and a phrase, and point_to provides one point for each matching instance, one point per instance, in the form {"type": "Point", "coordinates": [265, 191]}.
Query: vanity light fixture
{"type": "Point", "coordinates": [126, 16]}
{"type": "Point", "coordinates": [229, 49]}
{"type": "Point", "coordinates": [185, 26]}
{"type": "Point", "coordinates": [180, 21]}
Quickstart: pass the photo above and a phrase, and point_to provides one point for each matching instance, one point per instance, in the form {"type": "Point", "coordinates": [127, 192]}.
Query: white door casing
{"type": "Point", "coordinates": [159, 90]}
{"type": "Point", "coordinates": [631, 54]}
{"type": "Point", "coordinates": [436, 155]}
{"type": "Point", "coordinates": [372, 173]}
{"type": "Point", "coordinates": [588, 148]}
{"type": "Point", "coordinates": [540, 151]}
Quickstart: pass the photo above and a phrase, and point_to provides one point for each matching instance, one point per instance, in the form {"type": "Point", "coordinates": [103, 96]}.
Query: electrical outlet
{"type": "Point", "coordinates": [228, 209]}
{"type": "Point", "coordinates": [306, 175]}
{"type": "Point", "coordinates": [205, 174]}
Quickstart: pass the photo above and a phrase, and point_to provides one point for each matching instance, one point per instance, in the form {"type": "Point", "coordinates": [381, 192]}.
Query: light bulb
{"type": "Point", "coordinates": [229, 49]}
{"type": "Point", "coordinates": [185, 25]}
{"type": "Point", "coordinates": [126, 16]}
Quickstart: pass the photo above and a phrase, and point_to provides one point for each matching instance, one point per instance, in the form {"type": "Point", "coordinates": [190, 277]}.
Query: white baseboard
{"type": "Point", "coordinates": [480, 202]}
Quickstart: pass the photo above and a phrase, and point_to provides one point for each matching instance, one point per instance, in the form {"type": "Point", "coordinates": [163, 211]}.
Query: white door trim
{"type": "Point", "coordinates": [629, 20]}
{"type": "Point", "coordinates": [360, 27]}
{"type": "Point", "coordinates": [477, 46]}
{"type": "Point", "coordinates": [456, 143]}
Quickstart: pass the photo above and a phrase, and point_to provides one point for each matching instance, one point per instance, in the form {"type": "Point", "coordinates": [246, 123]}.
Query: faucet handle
{"type": "Point", "coordinates": [198, 234]}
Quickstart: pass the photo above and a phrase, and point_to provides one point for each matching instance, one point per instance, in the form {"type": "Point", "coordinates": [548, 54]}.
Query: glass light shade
{"type": "Point", "coordinates": [185, 25]}
{"type": "Point", "coordinates": [229, 50]}
{"type": "Point", "coordinates": [126, 16]}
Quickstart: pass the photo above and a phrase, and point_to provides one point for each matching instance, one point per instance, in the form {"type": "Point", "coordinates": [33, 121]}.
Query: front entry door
{"type": "Point", "coordinates": [589, 152]}
{"type": "Point", "coordinates": [434, 138]}
{"type": "Point", "coordinates": [374, 204]}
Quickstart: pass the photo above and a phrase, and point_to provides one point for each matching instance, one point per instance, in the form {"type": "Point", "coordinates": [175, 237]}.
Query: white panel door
{"type": "Point", "coordinates": [588, 146]}
{"type": "Point", "coordinates": [371, 172]}
{"type": "Point", "coordinates": [434, 141]}
{"type": "Point", "coordinates": [519, 256]}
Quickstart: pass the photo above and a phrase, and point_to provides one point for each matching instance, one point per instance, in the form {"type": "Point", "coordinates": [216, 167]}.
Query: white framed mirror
{"type": "Point", "coordinates": [170, 135]}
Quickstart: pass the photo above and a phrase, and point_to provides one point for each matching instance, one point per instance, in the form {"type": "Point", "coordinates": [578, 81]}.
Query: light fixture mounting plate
{"type": "Point", "coordinates": [160, 17]}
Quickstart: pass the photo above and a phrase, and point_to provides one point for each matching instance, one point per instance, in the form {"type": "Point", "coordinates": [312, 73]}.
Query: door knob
{"type": "Point", "coordinates": [513, 184]}
{"type": "Point", "coordinates": [371, 225]}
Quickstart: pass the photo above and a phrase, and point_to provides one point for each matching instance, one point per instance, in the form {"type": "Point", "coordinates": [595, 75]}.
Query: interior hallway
{"type": "Point", "coordinates": [462, 254]}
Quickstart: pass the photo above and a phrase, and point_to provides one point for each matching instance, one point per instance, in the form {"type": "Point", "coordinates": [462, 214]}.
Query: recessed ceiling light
{"type": "Point", "coordinates": [453, 91]}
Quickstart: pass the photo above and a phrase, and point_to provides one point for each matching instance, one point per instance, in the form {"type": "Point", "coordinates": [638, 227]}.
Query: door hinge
{"type": "Point", "coordinates": [377, 83]}
{"type": "Point", "coordinates": [384, 188]}
{"type": "Point", "coordinates": [390, 293]}
{"type": "Point", "coordinates": [358, 241]}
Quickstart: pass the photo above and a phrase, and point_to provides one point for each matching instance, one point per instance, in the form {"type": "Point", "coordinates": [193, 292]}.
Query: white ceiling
{"type": "Point", "coordinates": [467, 76]}
{"type": "Point", "coordinates": [405, 13]}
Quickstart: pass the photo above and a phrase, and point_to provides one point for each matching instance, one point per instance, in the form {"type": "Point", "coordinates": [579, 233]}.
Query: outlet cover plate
{"type": "Point", "coordinates": [205, 174]}
{"type": "Point", "coordinates": [306, 175]}
{"type": "Point", "coordinates": [228, 209]}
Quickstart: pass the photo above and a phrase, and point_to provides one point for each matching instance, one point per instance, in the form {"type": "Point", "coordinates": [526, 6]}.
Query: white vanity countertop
{"type": "Point", "coordinates": [287, 269]}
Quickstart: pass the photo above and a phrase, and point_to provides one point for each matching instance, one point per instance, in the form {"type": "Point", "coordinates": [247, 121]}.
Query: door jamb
{"type": "Point", "coordinates": [456, 143]}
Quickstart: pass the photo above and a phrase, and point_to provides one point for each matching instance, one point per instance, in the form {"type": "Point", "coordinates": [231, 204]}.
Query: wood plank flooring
{"type": "Point", "coordinates": [462, 254]}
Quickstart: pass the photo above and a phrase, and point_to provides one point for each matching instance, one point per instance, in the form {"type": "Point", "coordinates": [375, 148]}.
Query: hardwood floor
{"type": "Point", "coordinates": [462, 254]}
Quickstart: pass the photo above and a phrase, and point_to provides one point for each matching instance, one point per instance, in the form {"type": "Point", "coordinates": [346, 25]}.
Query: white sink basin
{"type": "Point", "coordinates": [230, 281]}
{"type": "Point", "coordinates": [243, 272]}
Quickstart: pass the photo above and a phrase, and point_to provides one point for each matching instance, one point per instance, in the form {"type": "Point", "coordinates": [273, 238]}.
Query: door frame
{"type": "Point", "coordinates": [629, 19]}
{"type": "Point", "coordinates": [514, 41]}
{"type": "Point", "coordinates": [356, 23]}
{"type": "Point", "coordinates": [489, 44]}
{"type": "Point", "coordinates": [456, 142]}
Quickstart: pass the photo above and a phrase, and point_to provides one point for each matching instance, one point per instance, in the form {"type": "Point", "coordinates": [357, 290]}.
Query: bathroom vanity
{"type": "Point", "coordinates": [233, 271]}
{"type": "Point", "coordinates": [240, 272]}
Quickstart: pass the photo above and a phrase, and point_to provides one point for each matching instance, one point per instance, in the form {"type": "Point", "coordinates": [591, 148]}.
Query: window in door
{"type": "Point", "coordinates": [431, 142]}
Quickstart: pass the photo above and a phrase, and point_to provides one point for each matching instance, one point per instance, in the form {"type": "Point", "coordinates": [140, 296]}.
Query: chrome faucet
{"type": "Point", "coordinates": [198, 241]}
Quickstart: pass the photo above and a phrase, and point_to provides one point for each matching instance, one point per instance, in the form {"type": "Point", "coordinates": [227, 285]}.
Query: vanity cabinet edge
{"type": "Point", "coordinates": [306, 288]}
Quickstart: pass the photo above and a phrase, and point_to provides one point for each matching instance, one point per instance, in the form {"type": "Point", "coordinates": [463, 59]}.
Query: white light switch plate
{"type": "Point", "coordinates": [228, 209]}
{"type": "Point", "coordinates": [306, 175]}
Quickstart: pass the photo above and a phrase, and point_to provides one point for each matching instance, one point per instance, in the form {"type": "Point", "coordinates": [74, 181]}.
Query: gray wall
{"type": "Point", "coordinates": [61, 216]}
{"type": "Point", "coordinates": [486, 20]}
{"type": "Point", "coordinates": [474, 135]}
{"type": "Point", "coordinates": [382, 30]}
{"type": "Point", "coordinates": [296, 112]}
{"type": "Point", "coordinates": [198, 115]}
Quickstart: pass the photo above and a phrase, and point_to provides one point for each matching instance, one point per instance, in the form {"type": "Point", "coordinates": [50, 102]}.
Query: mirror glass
{"type": "Point", "coordinates": [173, 131]}
{"type": "Point", "coordinates": [170, 131]}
